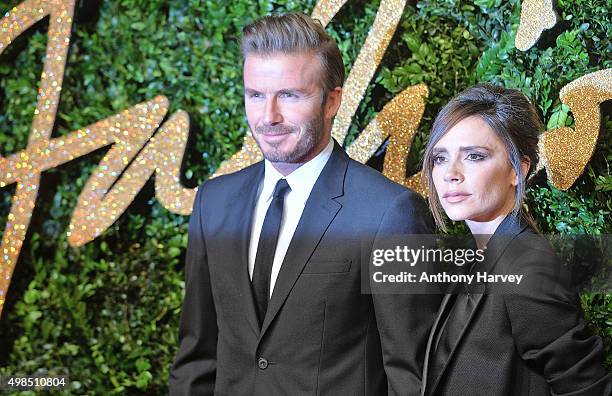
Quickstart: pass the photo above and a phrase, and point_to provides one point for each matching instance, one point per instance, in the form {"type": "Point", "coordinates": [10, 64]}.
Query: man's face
{"type": "Point", "coordinates": [283, 102]}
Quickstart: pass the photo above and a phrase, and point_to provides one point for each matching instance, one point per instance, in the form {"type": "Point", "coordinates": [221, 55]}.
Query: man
{"type": "Point", "coordinates": [273, 302]}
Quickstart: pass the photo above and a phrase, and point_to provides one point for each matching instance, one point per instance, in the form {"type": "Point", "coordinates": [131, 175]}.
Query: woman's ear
{"type": "Point", "coordinates": [525, 165]}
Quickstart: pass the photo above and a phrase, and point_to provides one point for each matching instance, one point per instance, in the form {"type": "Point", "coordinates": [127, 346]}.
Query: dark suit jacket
{"type": "Point", "coordinates": [320, 335]}
{"type": "Point", "coordinates": [529, 339]}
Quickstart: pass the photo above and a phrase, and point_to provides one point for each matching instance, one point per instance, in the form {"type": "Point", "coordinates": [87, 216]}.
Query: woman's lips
{"type": "Point", "coordinates": [454, 197]}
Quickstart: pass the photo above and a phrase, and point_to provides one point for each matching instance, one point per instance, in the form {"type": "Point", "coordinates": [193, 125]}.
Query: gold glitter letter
{"type": "Point", "coordinates": [583, 96]}
{"type": "Point", "coordinates": [99, 204]}
{"type": "Point", "coordinates": [17, 21]}
{"type": "Point", "coordinates": [536, 16]}
{"type": "Point", "coordinates": [399, 119]}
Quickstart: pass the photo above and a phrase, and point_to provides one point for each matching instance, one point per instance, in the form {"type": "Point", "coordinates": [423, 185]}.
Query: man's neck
{"type": "Point", "coordinates": [285, 168]}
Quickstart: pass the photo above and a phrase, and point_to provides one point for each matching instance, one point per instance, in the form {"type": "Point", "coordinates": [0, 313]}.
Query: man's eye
{"type": "Point", "coordinates": [254, 95]}
{"type": "Point", "coordinates": [476, 157]}
{"type": "Point", "coordinates": [287, 95]}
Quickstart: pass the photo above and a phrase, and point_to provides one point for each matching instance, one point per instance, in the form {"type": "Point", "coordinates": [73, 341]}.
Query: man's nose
{"type": "Point", "coordinates": [454, 172]}
{"type": "Point", "coordinates": [272, 113]}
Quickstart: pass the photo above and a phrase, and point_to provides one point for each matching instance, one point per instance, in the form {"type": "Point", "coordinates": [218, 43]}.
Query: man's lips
{"type": "Point", "coordinates": [273, 133]}
{"type": "Point", "coordinates": [273, 138]}
{"type": "Point", "coordinates": [455, 196]}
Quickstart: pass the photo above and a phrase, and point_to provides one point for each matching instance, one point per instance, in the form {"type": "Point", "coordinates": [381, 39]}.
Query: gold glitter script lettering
{"type": "Point", "coordinates": [99, 205]}
{"type": "Point", "coordinates": [101, 202]}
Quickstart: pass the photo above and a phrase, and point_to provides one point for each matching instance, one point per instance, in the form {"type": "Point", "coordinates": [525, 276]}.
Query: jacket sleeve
{"type": "Point", "coordinates": [549, 328]}
{"type": "Point", "coordinates": [194, 368]}
{"type": "Point", "coordinates": [404, 319]}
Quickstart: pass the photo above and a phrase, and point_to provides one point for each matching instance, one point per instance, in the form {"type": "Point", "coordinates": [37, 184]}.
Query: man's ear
{"type": "Point", "coordinates": [332, 103]}
{"type": "Point", "coordinates": [525, 165]}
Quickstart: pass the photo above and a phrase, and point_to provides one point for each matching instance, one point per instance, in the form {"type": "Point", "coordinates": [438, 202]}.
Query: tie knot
{"type": "Point", "coordinates": [281, 188]}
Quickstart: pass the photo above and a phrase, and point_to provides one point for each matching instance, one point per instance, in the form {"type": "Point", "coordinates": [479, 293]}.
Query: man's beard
{"type": "Point", "coordinates": [310, 139]}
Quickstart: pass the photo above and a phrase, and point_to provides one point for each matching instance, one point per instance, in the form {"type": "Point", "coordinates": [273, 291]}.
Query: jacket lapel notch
{"type": "Point", "coordinates": [507, 230]}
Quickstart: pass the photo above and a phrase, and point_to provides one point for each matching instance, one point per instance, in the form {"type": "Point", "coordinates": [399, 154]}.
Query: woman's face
{"type": "Point", "coordinates": [472, 173]}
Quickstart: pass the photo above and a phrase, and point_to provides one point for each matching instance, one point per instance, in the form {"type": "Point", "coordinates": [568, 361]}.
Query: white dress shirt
{"type": "Point", "coordinates": [301, 181]}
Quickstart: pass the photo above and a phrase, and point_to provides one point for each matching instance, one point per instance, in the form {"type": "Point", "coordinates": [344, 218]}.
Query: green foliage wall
{"type": "Point", "coordinates": [107, 313]}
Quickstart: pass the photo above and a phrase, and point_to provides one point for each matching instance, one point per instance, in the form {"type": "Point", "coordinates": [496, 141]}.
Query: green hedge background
{"type": "Point", "coordinates": [107, 313]}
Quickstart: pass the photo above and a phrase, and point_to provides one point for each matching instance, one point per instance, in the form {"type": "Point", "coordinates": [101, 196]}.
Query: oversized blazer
{"type": "Point", "coordinates": [528, 339]}
{"type": "Point", "coordinates": [321, 335]}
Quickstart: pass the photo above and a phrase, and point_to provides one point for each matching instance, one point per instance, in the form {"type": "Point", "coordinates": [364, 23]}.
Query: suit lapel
{"type": "Point", "coordinates": [508, 229]}
{"type": "Point", "coordinates": [242, 218]}
{"type": "Point", "coordinates": [432, 334]}
{"type": "Point", "coordinates": [319, 212]}
{"type": "Point", "coordinates": [478, 294]}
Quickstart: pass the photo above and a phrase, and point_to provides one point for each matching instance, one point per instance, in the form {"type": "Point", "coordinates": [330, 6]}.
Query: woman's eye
{"type": "Point", "coordinates": [438, 159]}
{"type": "Point", "coordinates": [475, 157]}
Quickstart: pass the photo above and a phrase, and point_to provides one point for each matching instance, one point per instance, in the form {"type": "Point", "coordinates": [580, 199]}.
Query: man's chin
{"type": "Point", "coordinates": [276, 153]}
{"type": "Point", "coordinates": [279, 157]}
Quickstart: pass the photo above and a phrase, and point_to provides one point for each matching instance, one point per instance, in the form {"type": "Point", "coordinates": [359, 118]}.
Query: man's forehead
{"type": "Point", "coordinates": [275, 68]}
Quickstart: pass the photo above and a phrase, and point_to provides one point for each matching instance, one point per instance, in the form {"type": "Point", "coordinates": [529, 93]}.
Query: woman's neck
{"type": "Point", "coordinates": [482, 230]}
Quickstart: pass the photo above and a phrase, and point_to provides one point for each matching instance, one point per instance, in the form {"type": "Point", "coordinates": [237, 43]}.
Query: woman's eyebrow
{"type": "Point", "coordinates": [470, 148]}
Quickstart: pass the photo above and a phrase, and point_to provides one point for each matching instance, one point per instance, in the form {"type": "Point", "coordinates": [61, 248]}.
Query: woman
{"type": "Point", "coordinates": [500, 338]}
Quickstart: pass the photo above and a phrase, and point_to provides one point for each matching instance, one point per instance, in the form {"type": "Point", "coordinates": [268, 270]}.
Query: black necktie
{"type": "Point", "coordinates": [266, 248]}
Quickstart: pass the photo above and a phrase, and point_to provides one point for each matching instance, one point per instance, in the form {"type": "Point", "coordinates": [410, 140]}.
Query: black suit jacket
{"type": "Point", "coordinates": [320, 335]}
{"type": "Point", "coordinates": [529, 339]}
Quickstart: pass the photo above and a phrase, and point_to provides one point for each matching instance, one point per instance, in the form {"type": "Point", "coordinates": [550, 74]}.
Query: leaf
{"type": "Point", "coordinates": [138, 26]}
{"type": "Point", "coordinates": [558, 117]}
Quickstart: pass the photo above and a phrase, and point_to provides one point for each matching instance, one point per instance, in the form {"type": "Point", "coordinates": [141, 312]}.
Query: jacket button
{"type": "Point", "coordinates": [262, 363]}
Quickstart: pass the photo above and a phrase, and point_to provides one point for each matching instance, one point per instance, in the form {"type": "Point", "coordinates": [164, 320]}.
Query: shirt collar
{"type": "Point", "coordinates": [302, 179]}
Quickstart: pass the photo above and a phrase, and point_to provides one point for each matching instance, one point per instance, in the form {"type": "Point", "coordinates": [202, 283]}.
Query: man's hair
{"type": "Point", "coordinates": [510, 115]}
{"type": "Point", "coordinates": [295, 33]}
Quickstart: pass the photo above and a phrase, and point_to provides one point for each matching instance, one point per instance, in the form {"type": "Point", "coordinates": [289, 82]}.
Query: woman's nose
{"type": "Point", "coordinates": [454, 173]}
